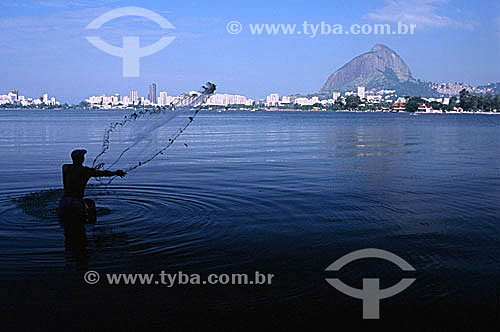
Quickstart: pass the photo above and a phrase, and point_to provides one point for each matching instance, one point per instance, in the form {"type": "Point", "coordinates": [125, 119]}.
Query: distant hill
{"type": "Point", "coordinates": [381, 68]}
{"type": "Point", "coordinates": [491, 88]}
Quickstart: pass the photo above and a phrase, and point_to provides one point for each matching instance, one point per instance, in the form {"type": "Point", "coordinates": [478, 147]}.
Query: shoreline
{"type": "Point", "coordinates": [254, 110]}
{"type": "Point", "coordinates": [352, 111]}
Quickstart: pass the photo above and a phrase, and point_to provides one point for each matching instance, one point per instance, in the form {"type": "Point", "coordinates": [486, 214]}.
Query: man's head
{"type": "Point", "coordinates": [78, 156]}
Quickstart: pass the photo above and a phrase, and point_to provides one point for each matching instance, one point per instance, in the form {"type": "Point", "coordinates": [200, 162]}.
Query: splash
{"type": "Point", "coordinates": [144, 135]}
{"type": "Point", "coordinates": [42, 204]}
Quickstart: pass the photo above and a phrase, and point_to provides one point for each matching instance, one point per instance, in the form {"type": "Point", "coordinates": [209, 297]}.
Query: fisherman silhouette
{"type": "Point", "coordinates": [73, 208]}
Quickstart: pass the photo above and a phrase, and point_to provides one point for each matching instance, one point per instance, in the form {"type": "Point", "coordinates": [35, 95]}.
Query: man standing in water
{"type": "Point", "coordinates": [75, 177]}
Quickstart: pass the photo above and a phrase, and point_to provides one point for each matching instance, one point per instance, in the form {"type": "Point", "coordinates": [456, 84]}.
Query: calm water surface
{"type": "Point", "coordinates": [285, 193]}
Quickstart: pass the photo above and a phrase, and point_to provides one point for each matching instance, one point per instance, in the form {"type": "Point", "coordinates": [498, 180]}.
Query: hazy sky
{"type": "Point", "coordinates": [44, 47]}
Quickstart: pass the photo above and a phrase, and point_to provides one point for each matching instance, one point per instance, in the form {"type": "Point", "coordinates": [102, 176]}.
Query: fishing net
{"type": "Point", "coordinates": [144, 135]}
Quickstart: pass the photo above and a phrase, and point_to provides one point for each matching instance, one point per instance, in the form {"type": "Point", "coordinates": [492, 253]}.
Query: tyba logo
{"type": "Point", "coordinates": [371, 294]}
{"type": "Point", "coordinates": [131, 52]}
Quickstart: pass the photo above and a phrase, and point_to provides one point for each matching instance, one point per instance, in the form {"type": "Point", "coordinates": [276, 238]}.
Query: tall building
{"type": "Point", "coordinates": [163, 98]}
{"type": "Point", "coordinates": [152, 93]}
{"type": "Point", "coordinates": [16, 93]}
{"type": "Point", "coordinates": [361, 92]}
{"type": "Point", "coordinates": [335, 96]}
{"type": "Point", "coordinates": [133, 96]}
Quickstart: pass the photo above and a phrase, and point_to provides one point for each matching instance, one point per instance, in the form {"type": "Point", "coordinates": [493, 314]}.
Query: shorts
{"type": "Point", "coordinates": [70, 207]}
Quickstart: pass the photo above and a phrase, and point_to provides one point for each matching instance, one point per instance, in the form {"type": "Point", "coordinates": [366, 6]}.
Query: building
{"type": "Point", "coordinates": [399, 106]}
{"type": "Point", "coordinates": [302, 101]}
{"type": "Point", "coordinates": [273, 99]}
{"type": "Point", "coordinates": [152, 94]}
{"type": "Point", "coordinates": [134, 96]}
{"type": "Point", "coordinates": [115, 99]}
{"type": "Point", "coordinates": [226, 99]}
{"type": "Point", "coordinates": [12, 97]}
{"type": "Point", "coordinates": [335, 96]}
{"type": "Point", "coordinates": [374, 99]}
{"type": "Point", "coordinates": [422, 107]}
{"type": "Point", "coordinates": [216, 100]}
{"type": "Point", "coordinates": [14, 94]}
{"type": "Point", "coordinates": [361, 92]}
{"type": "Point", "coordinates": [163, 101]}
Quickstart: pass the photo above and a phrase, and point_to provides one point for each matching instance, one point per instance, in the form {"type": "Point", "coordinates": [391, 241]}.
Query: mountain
{"type": "Point", "coordinates": [491, 88]}
{"type": "Point", "coordinates": [381, 68]}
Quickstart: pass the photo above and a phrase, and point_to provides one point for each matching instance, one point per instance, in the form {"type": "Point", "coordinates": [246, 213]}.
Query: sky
{"type": "Point", "coordinates": [44, 49]}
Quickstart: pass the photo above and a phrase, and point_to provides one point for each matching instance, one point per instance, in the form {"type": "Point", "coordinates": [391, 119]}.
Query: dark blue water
{"type": "Point", "coordinates": [285, 193]}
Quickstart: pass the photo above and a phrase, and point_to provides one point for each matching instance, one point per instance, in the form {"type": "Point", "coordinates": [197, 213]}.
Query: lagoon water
{"type": "Point", "coordinates": [285, 193]}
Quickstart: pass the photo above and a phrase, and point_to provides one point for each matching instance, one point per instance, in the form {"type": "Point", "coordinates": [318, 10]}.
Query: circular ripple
{"type": "Point", "coordinates": [131, 221]}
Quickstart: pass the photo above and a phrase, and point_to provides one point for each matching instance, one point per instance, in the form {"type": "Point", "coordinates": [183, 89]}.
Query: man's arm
{"type": "Point", "coordinates": [96, 173]}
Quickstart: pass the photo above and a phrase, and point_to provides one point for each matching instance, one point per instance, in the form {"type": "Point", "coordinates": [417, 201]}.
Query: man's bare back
{"type": "Point", "coordinates": [75, 178]}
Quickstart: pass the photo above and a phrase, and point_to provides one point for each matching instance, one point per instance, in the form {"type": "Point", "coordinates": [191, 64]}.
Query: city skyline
{"type": "Point", "coordinates": [359, 100]}
{"type": "Point", "coordinates": [45, 46]}
{"type": "Point", "coordinates": [372, 96]}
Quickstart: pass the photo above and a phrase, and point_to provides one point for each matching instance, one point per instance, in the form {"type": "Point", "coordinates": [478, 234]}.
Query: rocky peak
{"type": "Point", "coordinates": [380, 66]}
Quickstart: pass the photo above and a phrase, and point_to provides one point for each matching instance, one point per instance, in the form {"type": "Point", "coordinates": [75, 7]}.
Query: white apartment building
{"type": "Point", "coordinates": [335, 96]}
{"type": "Point", "coordinates": [361, 92]}
{"type": "Point", "coordinates": [273, 99]}
{"type": "Point", "coordinates": [134, 96]}
{"type": "Point", "coordinates": [162, 101]}
{"type": "Point", "coordinates": [374, 99]}
{"type": "Point", "coordinates": [226, 99]}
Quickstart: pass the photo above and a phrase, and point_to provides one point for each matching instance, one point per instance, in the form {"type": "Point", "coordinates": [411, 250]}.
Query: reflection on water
{"type": "Point", "coordinates": [41, 204]}
{"type": "Point", "coordinates": [279, 192]}
{"type": "Point", "coordinates": [157, 221]}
